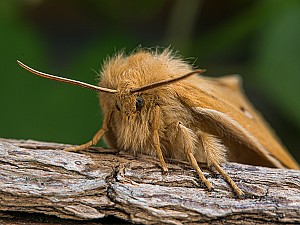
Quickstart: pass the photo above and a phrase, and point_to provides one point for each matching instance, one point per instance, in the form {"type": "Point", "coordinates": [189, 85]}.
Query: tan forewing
{"type": "Point", "coordinates": [220, 108]}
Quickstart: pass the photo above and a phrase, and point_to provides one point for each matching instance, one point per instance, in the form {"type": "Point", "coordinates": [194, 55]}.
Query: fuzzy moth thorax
{"type": "Point", "coordinates": [124, 73]}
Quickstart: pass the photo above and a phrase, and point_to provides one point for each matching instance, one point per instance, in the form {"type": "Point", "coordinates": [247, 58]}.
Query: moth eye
{"type": "Point", "coordinates": [118, 107]}
{"type": "Point", "coordinates": [139, 103]}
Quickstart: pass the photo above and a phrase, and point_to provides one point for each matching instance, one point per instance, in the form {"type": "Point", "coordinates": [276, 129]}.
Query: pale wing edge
{"type": "Point", "coordinates": [237, 131]}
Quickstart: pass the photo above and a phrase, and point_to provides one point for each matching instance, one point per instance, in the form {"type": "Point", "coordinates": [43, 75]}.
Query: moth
{"type": "Point", "coordinates": [153, 103]}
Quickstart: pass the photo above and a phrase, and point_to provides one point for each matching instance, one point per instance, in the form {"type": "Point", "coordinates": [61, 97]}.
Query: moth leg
{"type": "Point", "coordinates": [96, 137]}
{"type": "Point", "coordinates": [235, 188]}
{"type": "Point", "coordinates": [215, 154]}
{"type": "Point", "coordinates": [189, 150]}
{"type": "Point", "coordinates": [156, 139]}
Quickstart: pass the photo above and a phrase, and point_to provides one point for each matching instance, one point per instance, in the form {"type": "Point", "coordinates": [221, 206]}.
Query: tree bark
{"type": "Point", "coordinates": [39, 177]}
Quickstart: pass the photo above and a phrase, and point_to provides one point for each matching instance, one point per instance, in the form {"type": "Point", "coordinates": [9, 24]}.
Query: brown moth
{"type": "Point", "coordinates": [154, 104]}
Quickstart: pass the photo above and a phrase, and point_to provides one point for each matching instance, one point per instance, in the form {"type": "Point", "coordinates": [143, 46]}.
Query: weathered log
{"type": "Point", "coordinates": [39, 177]}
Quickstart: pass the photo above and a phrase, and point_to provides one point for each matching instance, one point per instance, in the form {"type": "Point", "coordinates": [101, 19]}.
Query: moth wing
{"type": "Point", "coordinates": [220, 108]}
{"type": "Point", "coordinates": [232, 82]}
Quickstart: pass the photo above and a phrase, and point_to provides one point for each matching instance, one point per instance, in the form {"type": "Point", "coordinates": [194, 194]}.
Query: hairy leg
{"type": "Point", "coordinates": [156, 139]}
{"type": "Point", "coordinates": [96, 137]}
{"type": "Point", "coordinates": [188, 145]}
{"type": "Point", "coordinates": [215, 154]}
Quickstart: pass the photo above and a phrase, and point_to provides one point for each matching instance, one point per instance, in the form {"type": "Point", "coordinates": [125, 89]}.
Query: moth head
{"type": "Point", "coordinates": [128, 100]}
{"type": "Point", "coordinates": [130, 104]}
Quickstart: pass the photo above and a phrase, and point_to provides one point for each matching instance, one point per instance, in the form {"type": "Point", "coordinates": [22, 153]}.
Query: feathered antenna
{"type": "Point", "coordinates": [165, 82]}
{"type": "Point", "coordinates": [66, 80]}
{"type": "Point", "coordinates": [102, 89]}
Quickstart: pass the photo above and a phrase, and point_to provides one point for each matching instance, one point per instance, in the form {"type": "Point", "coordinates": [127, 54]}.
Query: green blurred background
{"type": "Point", "coordinates": [258, 39]}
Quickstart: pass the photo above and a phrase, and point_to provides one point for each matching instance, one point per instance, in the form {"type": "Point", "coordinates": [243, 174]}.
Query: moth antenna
{"type": "Point", "coordinates": [65, 80]}
{"type": "Point", "coordinates": [166, 82]}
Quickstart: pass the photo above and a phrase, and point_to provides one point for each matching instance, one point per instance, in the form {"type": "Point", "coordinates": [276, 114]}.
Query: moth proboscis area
{"type": "Point", "coordinates": [153, 103]}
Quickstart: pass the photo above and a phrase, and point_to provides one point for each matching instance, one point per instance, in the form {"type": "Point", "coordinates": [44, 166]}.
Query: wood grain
{"type": "Point", "coordinates": [39, 177]}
